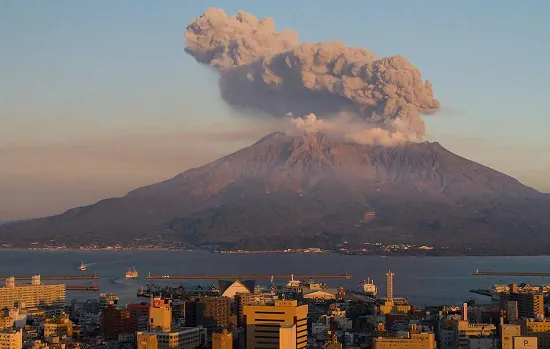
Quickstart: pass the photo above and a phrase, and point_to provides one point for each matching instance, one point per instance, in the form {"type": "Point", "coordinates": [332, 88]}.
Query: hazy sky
{"type": "Point", "coordinates": [99, 97]}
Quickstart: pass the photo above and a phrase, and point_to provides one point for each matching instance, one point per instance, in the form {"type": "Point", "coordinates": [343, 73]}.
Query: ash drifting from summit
{"type": "Point", "coordinates": [380, 99]}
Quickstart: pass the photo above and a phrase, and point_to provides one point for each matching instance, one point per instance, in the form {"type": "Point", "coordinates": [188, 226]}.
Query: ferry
{"type": "Point", "coordinates": [82, 267]}
{"type": "Point", "coordinates": [368, 287]}
{"type": "Point", "coordinates": [132, 273]}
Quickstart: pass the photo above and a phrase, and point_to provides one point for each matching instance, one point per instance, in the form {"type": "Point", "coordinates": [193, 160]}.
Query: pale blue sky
{"type": "Point", "coordinates": [73, 71]}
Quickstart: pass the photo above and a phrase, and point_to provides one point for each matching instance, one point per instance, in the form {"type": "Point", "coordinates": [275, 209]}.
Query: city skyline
{"type": "Point", "coordinates": [100, 98]}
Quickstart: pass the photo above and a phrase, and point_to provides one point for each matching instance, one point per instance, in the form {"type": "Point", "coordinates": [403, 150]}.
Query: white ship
{"type": "Point", "coordinates": [82, 267]}
{"type": "Point", "coordinates": [132, 273]}
{"type": "Point", "coordinates": [368, 287]}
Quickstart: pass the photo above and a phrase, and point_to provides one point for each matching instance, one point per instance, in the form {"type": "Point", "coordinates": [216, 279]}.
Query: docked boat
{"type": "Point", "coordinates": [82, 267]}
{"type": "Point", "coordinates": [368, 287]}
{"type": "Point", "coordinates": [132, 273]}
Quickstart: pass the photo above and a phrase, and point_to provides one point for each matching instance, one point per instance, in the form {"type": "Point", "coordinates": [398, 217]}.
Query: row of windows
{"type": "Point", "coordinates": [271, 320]}
{"type": "Point", "coordinates": [270, 312]}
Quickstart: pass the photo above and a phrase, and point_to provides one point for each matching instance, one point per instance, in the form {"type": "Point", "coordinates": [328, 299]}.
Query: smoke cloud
{"type": "Point", "coordinates": [379, 99]}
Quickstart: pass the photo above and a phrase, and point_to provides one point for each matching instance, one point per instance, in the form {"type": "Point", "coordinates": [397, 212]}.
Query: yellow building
{"type": "Point", "coordinates": [160, 315]}
{"type": "Point", "coordinates": [31, 295]}
{"type": "Point", "coordinates": [525, 343]}
{"type": "Point", "coordinates": [58, 327]}
{"type": "Point", "coordinates": [507, 334]}
{"type": "Point", "coordinates": [417, 341]}
{"type": "Point", "coordinates": [465, 330]}
{"type": "Point", "coordinates": [222, 340]}
{"type": "Point", "coordinates": [6, 322]}
{"type": "Point", "coordinates": [146, 340]}
{"type": "Point", "coordinates": [263, 323]}
{"type": "Point", "coordinates": [539, 329]}
{"type": "Point", "coordinates": [287, 337]}
{"type": "Point", "coordinates": [11, 339]}
{"type": "Point", "coordinates": [186, 338]}
{"type": "Point", "coordinates": [393, 308]}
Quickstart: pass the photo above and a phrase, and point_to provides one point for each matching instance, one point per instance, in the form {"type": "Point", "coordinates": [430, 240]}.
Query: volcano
{"type": "Point", "coordinates": [310, 190]}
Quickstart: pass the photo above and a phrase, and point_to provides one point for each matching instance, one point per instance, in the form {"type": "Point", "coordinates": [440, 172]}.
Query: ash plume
{"type": "Point", "coordinates": [270, 71]}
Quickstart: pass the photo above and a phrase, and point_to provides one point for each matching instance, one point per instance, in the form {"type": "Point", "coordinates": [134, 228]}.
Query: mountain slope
{"type": "Point", "coordinates": [307, 190]}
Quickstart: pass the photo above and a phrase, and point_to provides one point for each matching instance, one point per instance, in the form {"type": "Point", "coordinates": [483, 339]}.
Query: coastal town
{"type": "Point", "coordinates": [240, 313]}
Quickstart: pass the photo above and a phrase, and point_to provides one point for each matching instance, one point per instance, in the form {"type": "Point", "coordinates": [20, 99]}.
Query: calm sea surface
{"type": "Point", "coordinates": [423, 280]}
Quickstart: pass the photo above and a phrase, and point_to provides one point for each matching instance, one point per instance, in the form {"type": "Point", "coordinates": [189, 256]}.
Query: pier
{"type": "Point", "coordinates": [509, 273]}
{"type": "Point", "coordinates": [81, 288]}
{"type": "Point", "coordinates": [248, 277]}
{"type": "Point", "coordinates": [482, 292]}
{"type": "Point", "coordinates": [62, 277]}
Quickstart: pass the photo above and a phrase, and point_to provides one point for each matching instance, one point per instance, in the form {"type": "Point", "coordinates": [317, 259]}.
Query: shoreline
{"type": "Point", "coordinates": [243, 252]}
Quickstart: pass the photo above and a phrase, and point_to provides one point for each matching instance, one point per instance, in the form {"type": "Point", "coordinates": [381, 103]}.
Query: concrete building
{"type": "Point", "coordinates": [31, 295]}
{"type": "Point", "coordinates": [483, 343]}
{"type": "Point", "coordinates": [117, 321]}
{"type": "Point", "coordinates": [244, 299]}
{"type": "Point", "coordinates": [263, 323]}
{"type": "Point", "coordinates": [146, 340]}
{"type": "Point", "coordinates": [222, 340]}
{"type": "Point", "coordinates": [287, 337]}
{"type": "Point", "coordinates": [389, 286]}
{"type": "Point", "coordinates": [525, 343]}
{"type": "Point", "coordinates": [213, 313]}
{"type": "Point", "coordinates": [507, 334]}
{"type": "Point", "coordinates": [539, 329]}
{"type": "Point", "coordinates": [11, 339]}
{"type": "Point", "coordinates": [416, 341]}
{"type": "Point", "coordinates": [6, 323]}
{"type": "Point", "coordinates": [512, 314]}
{"type": "Point", "coordinates": [160, 315]}
{"type": "Point", "coordinates": [186, 338]}
{"type": "Point", "coordinates": [60, 327]}
{"type": "Point", "coordinates": [529, 305]}
{"type": "Point", "coordinates": [466, 330]}
{"type": "Point", "coordinates": [141, 312]}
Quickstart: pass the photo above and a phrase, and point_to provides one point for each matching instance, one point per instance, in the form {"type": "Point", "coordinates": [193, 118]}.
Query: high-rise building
{"type": "Point", "coordinates": [464, 314]}
{"type": "Point", "coordinates": [263, 323]}
{"type": "Point", "coordinates": [11, 339]}
{"type": "Point", "coordinates": [416, 341]}
{"type": "Point", "coordinates": [244, 299]}
{"type": "Point", "coordinates": [507, 334]}
{"type": "Point", "coordinates": [141, 312]}
{"type": "Point", "coordinates": [222, 340]}
{"type": "Point", "coordinates": [117, 321]}
{"type": "Point", "coordinates": [529, 305]}
{"type": "Point", "coordinates": [512, 311]}
{"type": "Point", "coordinates": [31, 295]}
{"type": "Point", "coordinates": [213, 312]}
{"type": "Point", "coordinates": [160, 315]}
{"type": "Point", "coordinates": [389, 286]}
{"type": "Point", "coordinates": [287, 337]}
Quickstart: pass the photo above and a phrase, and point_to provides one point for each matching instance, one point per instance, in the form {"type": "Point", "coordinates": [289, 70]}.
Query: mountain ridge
{"type": "Point", "coordinates": [307, 190]}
